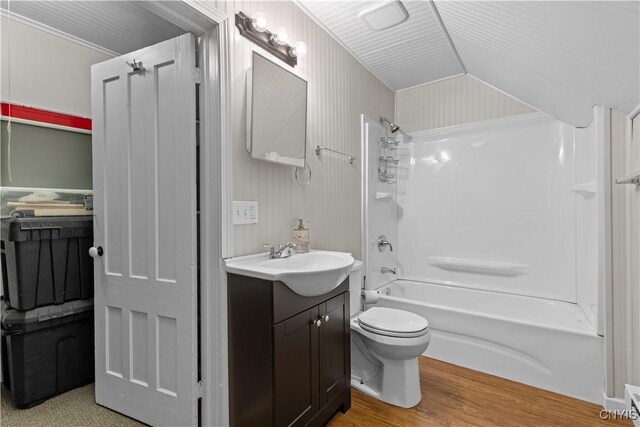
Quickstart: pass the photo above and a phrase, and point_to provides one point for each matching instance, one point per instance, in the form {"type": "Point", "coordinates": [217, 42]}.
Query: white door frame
{"type": "Point", "coordinates": [215, 222]}
{"type": "Point", "coordinates": [215, 194]}
{"type": "Point", "coordinates": [613, 243]}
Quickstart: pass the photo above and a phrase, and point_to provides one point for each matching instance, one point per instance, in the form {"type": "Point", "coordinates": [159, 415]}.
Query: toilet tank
{"type": "Point", "coordinates": [355, 287]}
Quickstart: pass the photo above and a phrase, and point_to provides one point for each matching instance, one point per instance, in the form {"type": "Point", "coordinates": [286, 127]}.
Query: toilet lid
{"type": "Point", "coordinates": [389, 321]}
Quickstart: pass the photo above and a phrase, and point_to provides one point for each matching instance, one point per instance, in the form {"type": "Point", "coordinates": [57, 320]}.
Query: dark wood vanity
{"type": "Point", "coordinates": [289, 355]}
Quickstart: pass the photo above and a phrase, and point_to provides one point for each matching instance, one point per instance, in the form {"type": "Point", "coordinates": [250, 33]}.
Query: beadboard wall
{"type": "Point", "coordinates": [618, 234]}
{"type": "Point", "coordinates": [339, 90]}
{"type": "Point", "coordinates": [625, 208]}
{"type": "Point", "coordinates": [453, 101]}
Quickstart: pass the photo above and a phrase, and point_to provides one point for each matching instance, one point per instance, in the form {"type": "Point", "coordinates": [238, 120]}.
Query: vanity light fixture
{"type": "Point", "coordinates": [259, 22]}
{"type": "Point", "coordinates": [280, 36]}
{"type": "Point", "coordinates": [299, 49]}
{"type": "Point", "coordinates": [276, 42]}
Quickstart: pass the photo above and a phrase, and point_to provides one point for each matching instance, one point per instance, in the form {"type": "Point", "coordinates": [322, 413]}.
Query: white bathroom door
{"type": "Point", "coordinates": [144, 177]}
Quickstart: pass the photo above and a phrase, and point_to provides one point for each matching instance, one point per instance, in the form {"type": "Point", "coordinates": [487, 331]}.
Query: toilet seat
{"type": "Point", "coordinates": [393, 323]}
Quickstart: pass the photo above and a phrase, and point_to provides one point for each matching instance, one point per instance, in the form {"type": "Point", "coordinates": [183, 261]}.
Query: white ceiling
{"type": "Point", "coordinates": [561, 57]}
{"type": "Point", "coordinates": [117, 27]}
{"type": "Point", "coordinates": [409, 54]}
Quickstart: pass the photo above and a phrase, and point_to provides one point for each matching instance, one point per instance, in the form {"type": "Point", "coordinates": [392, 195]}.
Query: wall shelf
{"type": "Point", "coordinates": [586, 190]}
{"type": "Point", "coordinates": [493, 268]}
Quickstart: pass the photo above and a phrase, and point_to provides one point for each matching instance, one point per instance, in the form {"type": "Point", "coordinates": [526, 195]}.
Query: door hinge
{"type": "Point", "coordinates": [199, 390]}
{"type": "Point", "coordinates": [197, 75]}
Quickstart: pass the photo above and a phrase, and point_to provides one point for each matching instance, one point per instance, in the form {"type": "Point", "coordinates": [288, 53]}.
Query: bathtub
{"type": "Point", "coordinates": [543, 343]}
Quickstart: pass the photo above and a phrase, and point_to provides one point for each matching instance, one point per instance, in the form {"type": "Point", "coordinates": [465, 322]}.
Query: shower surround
{"type": "Point", "coordinates": [494, 226]}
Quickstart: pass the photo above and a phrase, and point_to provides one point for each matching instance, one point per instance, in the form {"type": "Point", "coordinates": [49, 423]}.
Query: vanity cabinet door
{"type": "Point", "coordinates": [334, 347]}
{"type": "Point", "coordinates": [296, 369]}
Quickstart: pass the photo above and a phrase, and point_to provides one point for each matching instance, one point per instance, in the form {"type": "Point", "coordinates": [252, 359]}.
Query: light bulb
{"type": "Point", "coordinates": [280, 36]}
{"type": "Point", "coordinates": [259, 22]}
{"type": "Point", "coordinates": [298, 50]}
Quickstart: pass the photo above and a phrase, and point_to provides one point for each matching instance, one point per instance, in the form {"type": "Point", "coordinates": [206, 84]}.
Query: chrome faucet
{"type": "Point", "coordinates": [382, 242]}
{"type": "Point", "coordinates": [284, 251]}
{"type": "Point", "coordinates": [387, 270]}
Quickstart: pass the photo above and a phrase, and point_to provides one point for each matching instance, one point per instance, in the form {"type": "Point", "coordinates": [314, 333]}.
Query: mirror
{"type": "Point", "coordinates": [276, 113]}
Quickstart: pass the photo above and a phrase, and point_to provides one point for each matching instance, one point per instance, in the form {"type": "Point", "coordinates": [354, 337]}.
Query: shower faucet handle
{"type": "Point", "coordinates": [383, 243]}
{"type": "Point", "coordinates": [387, 270]}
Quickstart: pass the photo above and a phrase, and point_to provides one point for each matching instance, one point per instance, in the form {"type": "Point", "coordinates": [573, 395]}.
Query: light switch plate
{"type": "Point", "coordinates": [245, 212]}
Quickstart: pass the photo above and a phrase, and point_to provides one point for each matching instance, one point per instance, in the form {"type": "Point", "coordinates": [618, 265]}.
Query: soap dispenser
{"type": "Point", "coordinates": [301, 237]}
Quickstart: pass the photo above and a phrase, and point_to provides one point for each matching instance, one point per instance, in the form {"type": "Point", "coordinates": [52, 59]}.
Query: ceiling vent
{"type": "Point", "coordinates": [386, 15]}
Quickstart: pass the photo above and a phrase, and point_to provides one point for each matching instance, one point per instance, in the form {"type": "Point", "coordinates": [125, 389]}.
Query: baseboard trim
{"type": "Point", "coordinates": [613, 403]}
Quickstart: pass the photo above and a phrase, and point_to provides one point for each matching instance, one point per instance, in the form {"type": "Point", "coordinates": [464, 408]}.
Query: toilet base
{"type": "Point", "coordinates": [386, 367]}
{"type": "Point", "coordinates": [401, 379]}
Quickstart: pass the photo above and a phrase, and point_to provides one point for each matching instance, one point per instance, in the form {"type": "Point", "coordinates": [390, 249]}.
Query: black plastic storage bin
{"type": "Point", "coordinates": [46, 260]}
{"type": "Point", "coordinates": [47, 351]}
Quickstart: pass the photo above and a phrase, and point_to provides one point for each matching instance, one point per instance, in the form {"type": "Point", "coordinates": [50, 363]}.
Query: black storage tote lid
{"type": "Point", "coordinates": [46, 228]}
{"type": "Point", "coordinates": [15, 322]}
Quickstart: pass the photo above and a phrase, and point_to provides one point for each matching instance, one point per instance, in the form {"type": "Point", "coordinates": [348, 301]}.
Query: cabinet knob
{"type": "Point", "coordinates": [325, 318]}
{"type": "Point", "coordinates": [318, 322]}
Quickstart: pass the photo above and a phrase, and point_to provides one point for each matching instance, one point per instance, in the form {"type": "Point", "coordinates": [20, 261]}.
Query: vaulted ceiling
{"type": "Point", "coordinates": [561, 57]}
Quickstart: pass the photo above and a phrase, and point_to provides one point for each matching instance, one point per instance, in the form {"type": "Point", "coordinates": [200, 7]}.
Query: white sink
{"type": "Point", "coordinates": [311, 274]}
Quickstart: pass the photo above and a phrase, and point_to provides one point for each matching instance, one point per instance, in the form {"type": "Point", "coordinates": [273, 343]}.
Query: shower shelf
{"type": "Point", "coordinates": [387, 163]}
{"type": "Point", "coordinates": [389, 159]}
{"type": "Point", "coordinates": [585, 190]}
{"type": "Point", "coordinates": [493, 268]}
{"type": "Point", "coordinates": [386, 177]}
{"type": "Point", "coordinates": [389, 142]}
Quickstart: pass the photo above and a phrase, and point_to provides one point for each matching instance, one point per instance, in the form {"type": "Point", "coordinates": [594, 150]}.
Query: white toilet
{"type": "Point", "coordinates": [385, 345]}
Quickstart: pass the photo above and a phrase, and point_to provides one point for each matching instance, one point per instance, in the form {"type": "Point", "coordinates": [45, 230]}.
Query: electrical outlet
{"type": "Point", "coordinates": [245, 212]}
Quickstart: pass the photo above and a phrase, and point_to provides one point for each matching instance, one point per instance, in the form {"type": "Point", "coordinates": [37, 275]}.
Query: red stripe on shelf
{"type": "Point", "coordinates": [44, 116]}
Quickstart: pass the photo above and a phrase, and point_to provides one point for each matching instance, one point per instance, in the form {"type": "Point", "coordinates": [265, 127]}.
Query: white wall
{"type": "Point", "coordinates": [340, 89]}
{"type": "Point", "coordinates": [453, 101]}
{"type": "Point", "coordinates": [46, 71]}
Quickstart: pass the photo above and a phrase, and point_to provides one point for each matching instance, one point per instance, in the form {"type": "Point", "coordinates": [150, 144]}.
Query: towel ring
{"type": "Point", "coordinates": [303, 175]}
